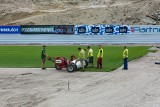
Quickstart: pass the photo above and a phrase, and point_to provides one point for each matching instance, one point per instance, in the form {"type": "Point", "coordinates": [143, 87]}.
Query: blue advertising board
{"type": "Point", "coordinates": [10, 30]}
{"type": "Point", "coordinates": [102, 29]}
{"type": "Point", "coordinates": [120, 29]}
{"type": "Point", "coordinates": [89, 29]}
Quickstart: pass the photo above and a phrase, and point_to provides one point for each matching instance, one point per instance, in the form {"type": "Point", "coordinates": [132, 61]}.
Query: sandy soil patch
{"type": "Point", "coordinates": [137, 87]}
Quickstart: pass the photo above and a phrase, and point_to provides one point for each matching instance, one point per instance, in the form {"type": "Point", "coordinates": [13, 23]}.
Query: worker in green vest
{"type": "Point", "coordinates": [81, 57]}
{"type": "Point", "coordinates": [43, 57]}
{"type": "Point", "coordinates": [125, 58]}
{"type": "Point", "coordinates": [100, 57]}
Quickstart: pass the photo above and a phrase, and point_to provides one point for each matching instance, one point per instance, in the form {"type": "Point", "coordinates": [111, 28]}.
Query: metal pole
{"type": "Point", "coordinates": [68, 84]}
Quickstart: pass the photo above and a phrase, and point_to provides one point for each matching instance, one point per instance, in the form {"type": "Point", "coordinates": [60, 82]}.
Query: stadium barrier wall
{"type": "Point", "coordinates": [81, 29]}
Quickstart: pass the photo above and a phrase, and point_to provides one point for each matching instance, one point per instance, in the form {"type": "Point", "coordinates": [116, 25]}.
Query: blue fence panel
{"type": "Point", "coordinates": [10, 30]}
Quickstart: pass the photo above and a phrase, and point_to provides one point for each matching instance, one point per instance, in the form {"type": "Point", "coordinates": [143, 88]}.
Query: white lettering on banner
{"type": "Point", "coordinates": [9, 29]}
{"type": "Point", "coordinates": [59, 30]}
{"type": "Point", "coordinates": [143, 30]}
{"type": "Point", "coordinates": [38, 29]}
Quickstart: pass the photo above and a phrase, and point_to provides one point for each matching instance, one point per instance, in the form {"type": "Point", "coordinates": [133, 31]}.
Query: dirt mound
{"type": "Point", "coordinates": [79, 12]}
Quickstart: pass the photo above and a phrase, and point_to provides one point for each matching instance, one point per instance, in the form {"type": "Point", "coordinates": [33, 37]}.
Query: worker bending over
{"type": "Point", "coordinates": [81, 57]}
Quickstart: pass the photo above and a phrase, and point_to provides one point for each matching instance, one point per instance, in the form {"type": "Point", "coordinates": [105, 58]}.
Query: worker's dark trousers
{"type": "Point", "coordinates": [99, 63]}
{"type": "Point", "coordinates": [125, 63]}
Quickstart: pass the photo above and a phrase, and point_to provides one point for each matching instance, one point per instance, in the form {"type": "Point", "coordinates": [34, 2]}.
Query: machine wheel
{"type": "Point", "coordinates": [86, 63]}
{"type": "Point", "coordinates": [71, 67]}
{"type": "Point", "coordinates": [157, 63]}
{"type": "Point", "coordinates": [58, 68]}
{"type": "Point", "coordinates": [74, 65]}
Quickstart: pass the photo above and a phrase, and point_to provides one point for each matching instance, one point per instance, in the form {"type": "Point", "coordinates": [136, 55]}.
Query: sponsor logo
{"type": "Point", "coordinates": [81, 29]}
{"type": "Point", "coordinates": [47, 29]}
{"type": "Point", "coordinates": [102, 29]}
{"type": "Point", "coordinates": [146, 29]}
{"type": "Point", "coordinates": [9, 29]}
{"type": "Point", "coordinates": [109, 30]}
{"type": "Point", "coordinates": [58, 61]}
{"type": "Point", "coordinates": [63, 29]}
{"type": "Point", "coordinates": [95, 29]}
{"type": "Point", "coordinates": [36, 29]}
{"type": "Point", "coordinates": [123, 29]}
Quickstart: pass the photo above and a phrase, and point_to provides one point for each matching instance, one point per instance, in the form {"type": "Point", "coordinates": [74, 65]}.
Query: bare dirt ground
{"type": "Point", "coordinates": [137, 87]}
{"type": "Point", "coordinates": [46, 12]}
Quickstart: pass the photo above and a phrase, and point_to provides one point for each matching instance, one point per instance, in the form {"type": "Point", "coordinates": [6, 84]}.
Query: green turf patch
{"type": "Point", "coordinates": [153, 51]}
{"type": "Point", "coordinates": [30, 56]}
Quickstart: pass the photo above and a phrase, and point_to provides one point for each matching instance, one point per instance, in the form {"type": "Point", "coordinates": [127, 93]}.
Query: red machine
{"type": "Point", "coordinates": [61, 62]}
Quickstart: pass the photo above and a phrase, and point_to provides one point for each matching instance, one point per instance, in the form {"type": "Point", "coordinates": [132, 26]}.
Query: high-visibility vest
{"type": "Point", "coordinates": [82, 54]}
{"type": "Point", "coordinates": [100, 55]}
{"type": "Point", "coordinates": [90, 52]}
{"type": "Point", "coordinates": [125, 53]}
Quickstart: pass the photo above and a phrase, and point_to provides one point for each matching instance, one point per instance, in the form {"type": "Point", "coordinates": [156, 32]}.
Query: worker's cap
{"type": "Point", "coordinates": [79, 48]}
{"type": "Point", "coordinates": [88, 47]}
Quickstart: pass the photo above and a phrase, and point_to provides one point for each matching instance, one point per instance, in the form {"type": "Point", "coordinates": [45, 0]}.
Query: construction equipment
{"type": "Point", "coordinates": [71, 66]}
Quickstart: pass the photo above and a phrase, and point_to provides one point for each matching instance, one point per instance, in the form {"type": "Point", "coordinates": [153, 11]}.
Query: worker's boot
{"type": "Point", "coordinates": [44, 69]}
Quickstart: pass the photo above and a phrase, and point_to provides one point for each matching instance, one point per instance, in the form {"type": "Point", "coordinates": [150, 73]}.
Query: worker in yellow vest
{"type": "Point", "coordinates": [90, 55]}
{"type": "Point", "coordinates": [81, 57]}
{"type": "Point", "coordinates": [100, 57]}
{"type": "Point", "coordinates": [125, 58]}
